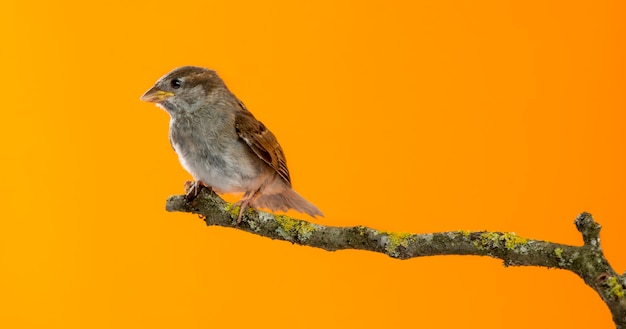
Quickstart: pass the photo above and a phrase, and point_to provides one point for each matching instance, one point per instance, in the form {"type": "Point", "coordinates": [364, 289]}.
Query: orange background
{"type": "Point", "coordinates": [418, 117]}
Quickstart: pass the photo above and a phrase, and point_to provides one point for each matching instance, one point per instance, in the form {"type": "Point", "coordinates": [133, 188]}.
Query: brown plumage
{"type": "Point", "coordinates": [222, 144]}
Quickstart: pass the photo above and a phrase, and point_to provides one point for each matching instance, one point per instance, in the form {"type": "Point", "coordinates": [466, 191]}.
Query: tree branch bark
{"type": "Point", "coordinates": [587, 261]}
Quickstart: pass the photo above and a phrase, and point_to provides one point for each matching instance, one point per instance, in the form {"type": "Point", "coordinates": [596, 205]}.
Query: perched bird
{"type": "Point", "coordinates": [221, 144]}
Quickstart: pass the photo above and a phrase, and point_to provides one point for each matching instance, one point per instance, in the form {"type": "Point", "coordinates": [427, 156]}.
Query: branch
{"type": "Point", "coordinates": [587, 261]}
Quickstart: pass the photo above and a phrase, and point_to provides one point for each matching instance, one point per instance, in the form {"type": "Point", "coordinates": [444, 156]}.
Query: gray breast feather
{"type": "Point", "coordinates": [207, 159]}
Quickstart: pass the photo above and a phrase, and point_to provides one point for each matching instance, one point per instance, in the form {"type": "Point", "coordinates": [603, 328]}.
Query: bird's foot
{"type": "Point", "coordinates": [192, 189]}
{"type": "Point", "coordinates": [243, 205]}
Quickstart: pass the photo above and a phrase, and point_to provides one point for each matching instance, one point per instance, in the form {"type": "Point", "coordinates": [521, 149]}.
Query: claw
{"type": "Point", "coordinates": [192, 189]}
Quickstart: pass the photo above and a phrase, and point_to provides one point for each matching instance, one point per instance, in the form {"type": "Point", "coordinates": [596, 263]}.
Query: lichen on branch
{"type": "Point", "coordinates": [587, 261]}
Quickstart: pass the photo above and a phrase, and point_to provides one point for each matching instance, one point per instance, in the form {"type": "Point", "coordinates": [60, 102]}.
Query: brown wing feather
{"type": "Point", "coordinates": [261, 141]}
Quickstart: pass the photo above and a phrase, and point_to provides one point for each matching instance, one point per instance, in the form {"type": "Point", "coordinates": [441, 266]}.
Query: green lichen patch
{"type": "Point", "coordinates": [396, 239]}
{"type": "Point", "coordinates": [293, 229]}
{"type": "Point", "coordinates": [232, 210]}
{"type": "Point", "coordinates": [305, 230]}
{"type": "Point", "coordinates": [614, 288]}
{"type": "Point", "coordinates": [559, 253]}
{"type": "Point", "coordinates": [362, 230]}
{"type": "Point", "coordinates": [487, 240]}
{"type": "Point", "coordinates": [510, 241]}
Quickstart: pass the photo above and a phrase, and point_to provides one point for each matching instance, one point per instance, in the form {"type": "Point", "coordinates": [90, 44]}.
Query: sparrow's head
{"type": "Point", "coordinates": [183, 89]}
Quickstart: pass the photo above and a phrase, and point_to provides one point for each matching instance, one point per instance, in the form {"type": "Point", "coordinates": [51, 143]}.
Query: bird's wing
{"type": "Point", "coordinates": [261, 141]}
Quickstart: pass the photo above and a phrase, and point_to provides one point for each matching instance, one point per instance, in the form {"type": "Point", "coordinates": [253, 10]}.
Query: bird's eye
{"type": "Point", "coordinates": [176, 83]}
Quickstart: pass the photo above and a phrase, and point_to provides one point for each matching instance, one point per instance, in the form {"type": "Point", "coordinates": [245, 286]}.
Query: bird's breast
{"type": "Point", "coordinates": [212, 155]}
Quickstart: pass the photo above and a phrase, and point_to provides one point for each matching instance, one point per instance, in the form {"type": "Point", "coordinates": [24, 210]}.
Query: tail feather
{"type": "Point", "coordinates": [285, 200]}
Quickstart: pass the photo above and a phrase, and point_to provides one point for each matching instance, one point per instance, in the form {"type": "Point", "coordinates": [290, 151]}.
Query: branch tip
{"type": "Point", "coordinates": [589, 229]}
{"type": "Point", "coordinates": [175, 203]}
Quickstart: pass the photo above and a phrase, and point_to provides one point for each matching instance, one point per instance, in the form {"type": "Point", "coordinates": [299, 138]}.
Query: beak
{"type": "Point", "coordinates": [156, 95]}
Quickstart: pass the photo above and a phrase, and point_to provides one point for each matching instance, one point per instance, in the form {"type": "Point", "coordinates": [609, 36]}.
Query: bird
{"type": "Point", "coordinates": [222, 145]}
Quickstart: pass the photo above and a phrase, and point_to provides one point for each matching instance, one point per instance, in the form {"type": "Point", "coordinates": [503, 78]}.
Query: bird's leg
{"type": "Point", "coordinates": [192, 189]}
{"type": "Point", "coordinates": [243, 205]}
{"type": "Point", "coordinates": [244, 202]}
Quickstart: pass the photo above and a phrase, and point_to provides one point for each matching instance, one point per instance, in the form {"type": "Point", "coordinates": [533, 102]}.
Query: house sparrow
{"type": "Point", "coordinates": [221, 144]}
